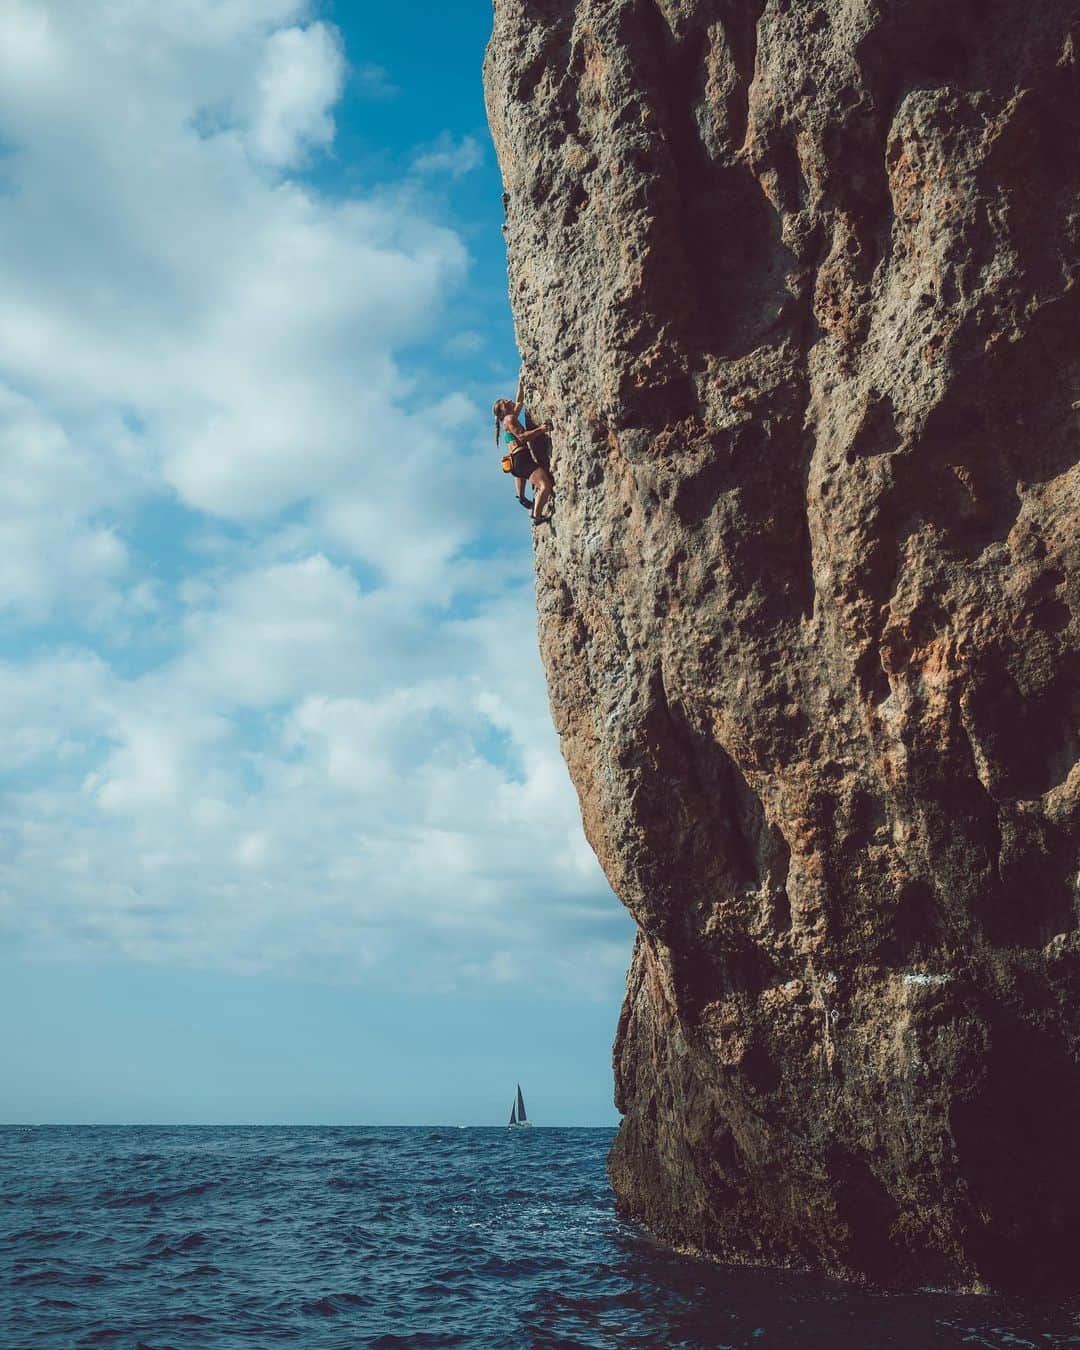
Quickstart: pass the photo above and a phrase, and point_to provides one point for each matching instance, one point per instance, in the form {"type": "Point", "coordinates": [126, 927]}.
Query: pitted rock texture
{"type": "Point", "coordinates": [796, 282]}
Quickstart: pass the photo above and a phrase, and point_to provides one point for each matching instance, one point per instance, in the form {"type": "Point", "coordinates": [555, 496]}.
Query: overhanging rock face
{"type": "Point", "coordinates": [797, 284]}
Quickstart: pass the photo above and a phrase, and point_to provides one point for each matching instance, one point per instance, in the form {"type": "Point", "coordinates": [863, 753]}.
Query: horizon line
{"type": "Point", "coordinates": [268, 1125]}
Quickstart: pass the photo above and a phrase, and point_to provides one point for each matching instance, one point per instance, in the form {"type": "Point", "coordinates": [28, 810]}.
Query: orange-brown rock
{"type": "Point", "coordinates": [796, 282]}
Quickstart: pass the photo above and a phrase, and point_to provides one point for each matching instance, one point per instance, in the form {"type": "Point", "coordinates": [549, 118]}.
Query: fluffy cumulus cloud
{"type": "Point", "coordinates": [259, 699]}
{"type": "Point", "coordinates": [298, 84]}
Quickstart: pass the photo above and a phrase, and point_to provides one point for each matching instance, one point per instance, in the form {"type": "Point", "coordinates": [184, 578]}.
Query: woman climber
{"type": "Point", "coordinates": [523, 456]}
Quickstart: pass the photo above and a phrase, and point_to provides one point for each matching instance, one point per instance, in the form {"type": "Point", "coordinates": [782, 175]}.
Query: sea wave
{"type": "Point", "coordinates": [246, 1238]}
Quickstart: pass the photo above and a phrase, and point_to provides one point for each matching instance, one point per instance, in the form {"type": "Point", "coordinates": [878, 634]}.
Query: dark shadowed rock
{"type": "Point", "coordinates": [797, 284]}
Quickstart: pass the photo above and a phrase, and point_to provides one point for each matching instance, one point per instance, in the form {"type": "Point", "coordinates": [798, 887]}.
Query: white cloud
{"type": "Point", "coordinates": [448, 155]}
{"type": "Point", "coordinates": [51, 709]}
{"type": "Point", "coordinates": [299, 81]}
{"type": "Point", "coordinates": [60, 548]}
{"type": "Point", "coordinates": [286, 749]}
{"type": "Point", "coordinates": [277, 632]}
{"type": "Point", "coordinates": [210, 827]}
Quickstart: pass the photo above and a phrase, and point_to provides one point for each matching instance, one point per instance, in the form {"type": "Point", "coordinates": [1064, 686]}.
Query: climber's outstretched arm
{"type": "Point", "coordinates": [541, 430]}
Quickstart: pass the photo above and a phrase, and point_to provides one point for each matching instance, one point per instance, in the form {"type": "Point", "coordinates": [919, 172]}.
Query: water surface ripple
{"type": "Point", "coordinates": [191, 1237]}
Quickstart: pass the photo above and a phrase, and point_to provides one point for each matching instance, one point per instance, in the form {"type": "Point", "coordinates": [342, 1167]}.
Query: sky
{"type": "Point", "coordinates": [286, 835]}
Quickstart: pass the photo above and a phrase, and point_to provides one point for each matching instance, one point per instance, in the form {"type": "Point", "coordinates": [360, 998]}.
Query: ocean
{"type": "Point", "coordinates": [241, 1238]}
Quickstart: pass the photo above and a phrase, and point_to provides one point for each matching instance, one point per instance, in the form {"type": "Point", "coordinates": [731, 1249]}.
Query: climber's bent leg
{"type": "Point", "coordinates": [542, 490]}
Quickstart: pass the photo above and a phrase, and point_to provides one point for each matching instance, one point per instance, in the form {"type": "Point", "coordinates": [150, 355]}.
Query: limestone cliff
{"type": "Point", "coordinates": [796, 282]}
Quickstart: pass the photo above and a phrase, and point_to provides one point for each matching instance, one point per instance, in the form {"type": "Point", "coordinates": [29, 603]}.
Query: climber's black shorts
{"type": "Point", "coordinates": [540, 449]}
{"type": "Point", "coordinates": [524, 464]}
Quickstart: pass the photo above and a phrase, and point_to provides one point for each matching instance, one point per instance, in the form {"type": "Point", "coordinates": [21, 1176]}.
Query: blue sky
{"type": "Point", "coordinates": [286, 835]}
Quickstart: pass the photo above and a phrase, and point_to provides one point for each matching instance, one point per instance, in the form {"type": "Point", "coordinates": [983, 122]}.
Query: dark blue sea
{"type": "Point", "coordinates": [333, 1238]}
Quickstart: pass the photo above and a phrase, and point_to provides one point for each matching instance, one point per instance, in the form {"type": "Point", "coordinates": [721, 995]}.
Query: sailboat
{"type": "Point", "coordinates": [518, 1119]}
